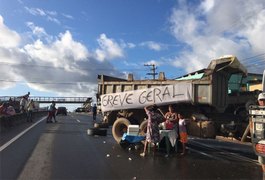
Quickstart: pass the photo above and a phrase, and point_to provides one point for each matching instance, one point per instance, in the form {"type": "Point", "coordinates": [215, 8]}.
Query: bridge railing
{"type": "Point", "coordinates": [42, 99]}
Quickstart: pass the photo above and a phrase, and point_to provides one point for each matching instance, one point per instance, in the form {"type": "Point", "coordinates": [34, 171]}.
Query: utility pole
{"type": "Point", "coordinates": [153, 70]}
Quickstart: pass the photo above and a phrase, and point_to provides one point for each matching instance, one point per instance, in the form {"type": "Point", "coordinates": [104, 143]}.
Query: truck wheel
{"type": "Point", "coordinates": [249, 103]}
{"type": "Point", "coordinates": [119, 128]}
{"type": "Point", "coordinates": [143, 128]}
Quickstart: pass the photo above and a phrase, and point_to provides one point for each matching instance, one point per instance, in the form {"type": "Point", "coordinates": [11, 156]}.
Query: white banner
{"type": "Point", "coordinates": [162, 95]}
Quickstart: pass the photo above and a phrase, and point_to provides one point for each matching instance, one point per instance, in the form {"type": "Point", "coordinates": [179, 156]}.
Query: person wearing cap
{"type": "Point", "coordinates": [261, 99]}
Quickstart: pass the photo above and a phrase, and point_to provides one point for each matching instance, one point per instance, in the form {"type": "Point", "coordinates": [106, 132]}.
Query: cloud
{"type": "Point", "coordinates": [35, 11]}
{"type": "Point", "coordinates": [61, 65]}
{"type": "Point", "coordinates": [216, 28]}
{"type": "Point", "coordinates": [207, 5]}
{"type": "Point", "coordinates": [39, 32]}
{"type": "Point", "coordinates": [68, 16]}
{"type": "Point", "coordinates": [108, 49]}
{"type": "Point", "coordinates": [153, 45]}
{"type": "Point", "coordinates": [49, 15]}
{"type": "Point", "coordinates": [151, 62]}
{"type": "Point", "coordinates": [63, 53]}
{"type": "Point", "coordinates": [8, 38]}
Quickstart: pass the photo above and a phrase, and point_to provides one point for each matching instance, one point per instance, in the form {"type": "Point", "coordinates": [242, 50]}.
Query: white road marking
{"type": "Point", "coordinates": [78, 120]}
{"type": "Point", "coordinates": [19, 135]}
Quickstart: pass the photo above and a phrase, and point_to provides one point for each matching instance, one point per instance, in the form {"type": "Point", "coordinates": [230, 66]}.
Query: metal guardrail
{"type": "Point", "coordinates": [42, 99]}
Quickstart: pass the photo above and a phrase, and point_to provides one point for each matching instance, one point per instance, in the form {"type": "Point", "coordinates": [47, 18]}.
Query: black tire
{"type": "Point", "coordinates": [249, 103]}
{"type": "Point", "coordinates": [97, 131]}
{"type": "Point", "coordinates": [90, 132]}
{"type": "Point", "coordinates": [120, 127]}
{"type": "Point", "coordinates": [101, 125]}
{"type": "Point", "coordinates": [100, 132]}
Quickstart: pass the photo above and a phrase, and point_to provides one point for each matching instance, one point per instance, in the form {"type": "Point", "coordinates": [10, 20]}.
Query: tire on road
{"type": "Point", "coordinates": [101, 125]}
{"type": "Point", "coordinates": [120, 127]}
{"type": "Point", "coordinates": [97, 131]}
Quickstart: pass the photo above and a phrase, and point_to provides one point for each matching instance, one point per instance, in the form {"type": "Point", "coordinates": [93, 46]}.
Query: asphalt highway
{"type": "Point", "coordinates": [64, 150]}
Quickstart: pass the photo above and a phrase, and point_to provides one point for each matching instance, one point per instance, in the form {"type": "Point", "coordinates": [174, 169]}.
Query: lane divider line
{"type": "Point", "coordinates": [19, 135]}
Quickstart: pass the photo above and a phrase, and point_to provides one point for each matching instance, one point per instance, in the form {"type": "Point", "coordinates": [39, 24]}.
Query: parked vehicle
{"type": "Point", "coordinates": [62, 110]}
{"type": "Point", "coordinates": [82, 109]}
{"type": "Point", "coordinates": [211, 97]}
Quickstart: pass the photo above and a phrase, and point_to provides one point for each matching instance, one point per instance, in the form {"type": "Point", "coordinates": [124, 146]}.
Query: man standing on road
{"type": "Point", "coordinates": [23, 104]}
{"type": "Point", "coordinates": [30, 108]}
{"type": "Point", "coordinates": [94, 110]}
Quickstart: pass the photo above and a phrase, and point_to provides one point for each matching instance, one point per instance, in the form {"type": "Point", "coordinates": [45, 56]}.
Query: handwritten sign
{"type": "Point", "coordinates": [180, 92]}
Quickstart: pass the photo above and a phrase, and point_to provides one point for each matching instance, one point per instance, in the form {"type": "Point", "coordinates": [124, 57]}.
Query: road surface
{"type": "Point", "coordinates": [64, 150]}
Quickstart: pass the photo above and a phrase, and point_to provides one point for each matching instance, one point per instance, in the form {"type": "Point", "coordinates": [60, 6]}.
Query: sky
{"type": "Point", "coordinates": [58, 48]}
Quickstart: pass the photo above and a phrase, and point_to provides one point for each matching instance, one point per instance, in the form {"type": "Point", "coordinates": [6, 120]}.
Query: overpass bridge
{"type": "Point", "coordinates": [45, 99]}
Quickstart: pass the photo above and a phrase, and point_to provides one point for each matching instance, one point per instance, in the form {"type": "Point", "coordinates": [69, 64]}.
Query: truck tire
{"type": "Point", "coordinates": [119, 128]}
{"type": "Point", "coordinates": [100, 132]}
{"type": "Point", "coordinates": [143, 128]}
{"type": "Point", "coordinates": [249, 103]}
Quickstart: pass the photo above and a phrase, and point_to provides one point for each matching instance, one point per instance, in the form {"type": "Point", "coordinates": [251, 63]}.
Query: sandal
{"type": "Point", "coordinates": [142, 154]}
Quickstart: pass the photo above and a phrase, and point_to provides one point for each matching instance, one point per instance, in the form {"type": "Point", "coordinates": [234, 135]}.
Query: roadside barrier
{"type": "Point", "coordinates": [7, 122]}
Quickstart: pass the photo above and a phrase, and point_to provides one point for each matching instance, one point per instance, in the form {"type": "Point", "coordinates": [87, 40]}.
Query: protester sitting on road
{"type": "Point", "coordinates": [183, 133]}
{"type": "Point", "coordinates": [10, 110]}
{"type": "Point", "coordinates": [152, 134]}
{"type": "Point", "coordinates": [30, 108]}
{"type": "Point", "coordinates": [3, 109]}
{"type": "Point", "coordinates": [51, 113]}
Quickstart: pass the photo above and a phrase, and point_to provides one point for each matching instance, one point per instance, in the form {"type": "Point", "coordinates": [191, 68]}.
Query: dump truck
{"type": "Point", "coordinates": [257, 126]}
{"type": "Point", "coordinates": [211, 97]}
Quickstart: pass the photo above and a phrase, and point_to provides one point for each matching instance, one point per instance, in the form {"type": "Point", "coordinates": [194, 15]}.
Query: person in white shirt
{"type": "Point", "coordinates": [30, 108]}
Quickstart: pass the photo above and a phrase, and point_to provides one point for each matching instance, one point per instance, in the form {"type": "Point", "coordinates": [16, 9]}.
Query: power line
{"type": "Point", "coordinates": [54, 67]}
{"type": "Point", "coordinates": [35, 82]}
{"type": "Point", "coordinates": [258, 55]}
